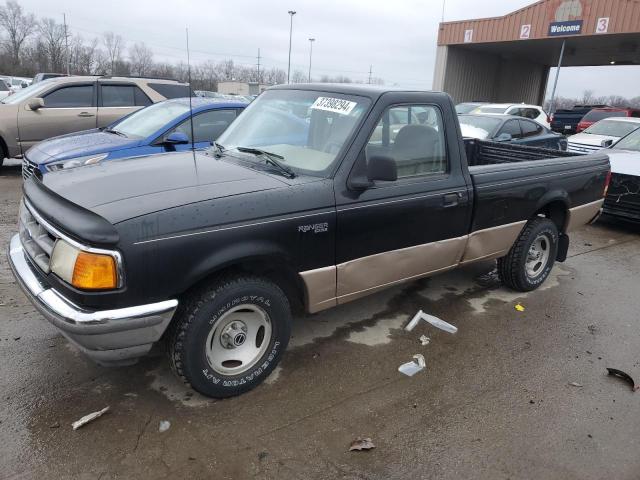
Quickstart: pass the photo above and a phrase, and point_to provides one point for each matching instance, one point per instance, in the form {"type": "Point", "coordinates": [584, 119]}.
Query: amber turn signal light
{"type": "Point", "coordinates": [94, 272]}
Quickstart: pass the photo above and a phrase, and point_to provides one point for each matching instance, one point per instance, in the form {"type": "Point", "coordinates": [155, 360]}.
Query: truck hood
{"type": "Point", "coordinates": [89, 142]}
{"type": "Point", "coordinates": [123, 189]}
{"type": "Point", "coordinates": [589, 139]}
{"type": "Point", "coordinates": [626, 162]}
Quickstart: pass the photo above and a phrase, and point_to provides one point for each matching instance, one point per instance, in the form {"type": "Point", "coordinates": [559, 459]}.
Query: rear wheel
{"type": "Point", "coordinates": [228, 338]}
{"type": "Point", "coordinates": [531, 258]}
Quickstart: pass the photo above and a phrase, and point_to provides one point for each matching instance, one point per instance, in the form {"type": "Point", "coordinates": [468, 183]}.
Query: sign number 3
{"type": "Point", "coordinates": [602, 26]}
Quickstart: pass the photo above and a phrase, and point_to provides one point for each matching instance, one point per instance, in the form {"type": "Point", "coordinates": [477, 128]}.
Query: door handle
{"type": "Point", "coordinates": [86, 114]}
{"type": "Point", "coordinates": [451, 199]}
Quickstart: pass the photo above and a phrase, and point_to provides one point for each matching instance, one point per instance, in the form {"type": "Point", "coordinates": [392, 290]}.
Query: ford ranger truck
{"type": "Point", "coordinates": [315, 196]}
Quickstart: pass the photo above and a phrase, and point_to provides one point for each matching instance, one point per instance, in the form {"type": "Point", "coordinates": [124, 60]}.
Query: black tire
{"type": "Point", "coordinates": [198, 323]}
{"type": "Point", "coordinates": [512, 268]}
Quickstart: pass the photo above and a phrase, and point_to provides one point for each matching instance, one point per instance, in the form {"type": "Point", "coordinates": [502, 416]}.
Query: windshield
{"type": "Point", "coordinates": [149, 120]}
{"type": "Point", "coordinates": [490, 110]}
{"type": "Point", "coordinates": [308, 129]}
{"type": "Point", "coordinates": [595, 115]}
{"type": "Point", "coordinates": [30, 92]}
{"type": "Point", "coordinates": [630, 142]}
{"type": "Point", "coordinates": [612, 128]}
{"type": "Point", "coordinates": [478, 127]}
{"type": "Point", "coordinates": [466, 107]}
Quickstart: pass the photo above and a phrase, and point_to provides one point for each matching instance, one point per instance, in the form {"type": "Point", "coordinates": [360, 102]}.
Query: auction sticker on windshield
{"type": "Point", "coordinates": [336, 105]}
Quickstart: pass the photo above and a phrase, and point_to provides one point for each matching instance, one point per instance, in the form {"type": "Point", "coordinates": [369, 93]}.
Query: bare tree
{"type": "Point", "coordinates": [140, 59]}
{"type": "Point", "coordinates": [18, 27]}
{"type": "Point", "coordinates": [52, 37]}
{"type": "Point", "coordinates": [298, 77]}
{"type": "Point", "coordinates": [114, 45]}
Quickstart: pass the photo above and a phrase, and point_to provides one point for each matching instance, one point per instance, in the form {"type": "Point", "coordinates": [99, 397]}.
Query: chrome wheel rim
{"type": "Point", "coordinates": [238, 340]}
{"type": "Point", "coordinates": [538, 256]}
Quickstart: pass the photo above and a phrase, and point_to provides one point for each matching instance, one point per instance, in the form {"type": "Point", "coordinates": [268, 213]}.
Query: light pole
{"type": "Point", "coordinates": [311, 40]}
{"type": "Point", "coordinates": [291, 14]}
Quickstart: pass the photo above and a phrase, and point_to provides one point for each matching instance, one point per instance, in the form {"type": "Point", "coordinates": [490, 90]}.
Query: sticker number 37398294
{"type": "Point", "coordinates": [336, 105]}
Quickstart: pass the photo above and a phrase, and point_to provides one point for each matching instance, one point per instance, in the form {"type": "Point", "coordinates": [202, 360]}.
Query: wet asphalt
{"type": "Point", "coordinates": [495, 400]}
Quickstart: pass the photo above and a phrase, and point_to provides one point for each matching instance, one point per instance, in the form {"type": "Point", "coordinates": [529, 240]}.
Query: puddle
{"type": "Point", "coordinates": [378, 334]}
{"type": "Point", "coordinates": [165, 382]}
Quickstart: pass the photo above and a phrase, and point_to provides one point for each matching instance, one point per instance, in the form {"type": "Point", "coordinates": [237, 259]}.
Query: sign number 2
{"type": "Point", "coordinates": [525, 31]}
{"type": "Point", "coordinates": [602, 26]}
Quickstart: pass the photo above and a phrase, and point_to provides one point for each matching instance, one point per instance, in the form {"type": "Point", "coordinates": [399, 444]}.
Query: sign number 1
{"type": "Point", "coordinates": [525, 31]}
{"type": "Point", "coordinates": [602, 26]}
{"type": "Point", "coordinates": [468, 36]}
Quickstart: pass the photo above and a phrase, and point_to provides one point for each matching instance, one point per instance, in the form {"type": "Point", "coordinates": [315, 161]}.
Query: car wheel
{"type": "Point", "coordinates": [531, 258]}
{"type": "Point", "coordinates": [228, 338]}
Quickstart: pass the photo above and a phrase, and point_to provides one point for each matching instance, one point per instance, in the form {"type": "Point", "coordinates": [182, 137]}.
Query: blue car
{"type": "Point", "coordinates": [161, 127]}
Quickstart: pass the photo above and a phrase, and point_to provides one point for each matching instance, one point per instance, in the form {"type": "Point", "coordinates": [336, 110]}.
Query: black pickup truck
{"type": "Point", "coordinates": [566, 120]}
{"type": "Point", "coordinates": [315, 196]}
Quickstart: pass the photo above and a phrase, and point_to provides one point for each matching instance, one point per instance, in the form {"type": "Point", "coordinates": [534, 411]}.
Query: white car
{"type": "Point", "coordinates": [602, 134]}
{"type": "Point", "coordinates": [623, 195]}
{"type": "Point", "coordinates": [5, 91]}
{"type": "Point", "coordinates": [534, 112]}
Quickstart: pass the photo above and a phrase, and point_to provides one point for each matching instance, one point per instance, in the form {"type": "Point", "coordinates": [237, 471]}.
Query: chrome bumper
{"type": "Point", "coordinates": [109, 337]}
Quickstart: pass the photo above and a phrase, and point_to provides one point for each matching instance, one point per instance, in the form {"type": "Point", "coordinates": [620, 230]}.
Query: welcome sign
{"type": "Point", "coordinates": [571, 27]}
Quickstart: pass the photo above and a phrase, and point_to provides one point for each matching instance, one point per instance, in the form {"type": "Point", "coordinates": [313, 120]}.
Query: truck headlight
{"type": "Point", "coordinates": [84, 270]}
{"type": "Point", "coordinates": [77, 162]}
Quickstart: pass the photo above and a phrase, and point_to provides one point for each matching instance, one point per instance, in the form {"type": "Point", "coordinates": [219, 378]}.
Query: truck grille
{"type": "Point", "coordinates": [582, 148]}
{"type": "Point", "coordinates": [36, 240]}
{"type": "Point", "coordinates": [28, 167]}
{"type": "Point", "coordinates": [623, 197]}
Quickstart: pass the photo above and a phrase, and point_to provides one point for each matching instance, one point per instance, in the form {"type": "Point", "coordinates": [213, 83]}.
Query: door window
{"type": "Point", "coordinates": [123, 96]}
{"type": "Point", "coordinates": [207, 126]}
{"type": "Point", "coordinates": [512, 127]}
{"type": "Point", "coordinates": [530, 129]}
{"type": "Point", "coordinates": [70, 97]}
{"type": "Point", "coordinates": [413, 135]}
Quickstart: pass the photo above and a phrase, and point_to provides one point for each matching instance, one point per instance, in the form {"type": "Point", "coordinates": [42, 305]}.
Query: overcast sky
{"type": "Point", "coordinates": [397, 38]}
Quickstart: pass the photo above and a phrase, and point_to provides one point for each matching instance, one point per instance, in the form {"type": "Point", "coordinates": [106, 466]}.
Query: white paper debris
{"type": "Point", "coordinates": [89, 418]}
{"type": "Point", "coordinates": [424, 340]}
{"type": "Point", "coordinates": [413, 367]}
{"type": "Point", "coordinates": [435, 321]}
{"type": "Point", "coordinates": [164, 426]}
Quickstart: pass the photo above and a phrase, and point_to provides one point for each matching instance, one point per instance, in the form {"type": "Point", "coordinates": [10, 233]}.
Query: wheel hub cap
{"type": "Point", "coordinates": [233, 335]}
{"type": "Point", "coordinates": [538, 256]}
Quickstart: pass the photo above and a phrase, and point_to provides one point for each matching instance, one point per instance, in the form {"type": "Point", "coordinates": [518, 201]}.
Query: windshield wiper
{"type": "Point", "coordinates": [116, 132]}
{"type": "Point", "coordinates": [270, 158]}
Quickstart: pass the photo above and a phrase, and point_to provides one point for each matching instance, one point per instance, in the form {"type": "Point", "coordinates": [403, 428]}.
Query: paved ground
{"type": "Point", "coordinates": [494, 402]}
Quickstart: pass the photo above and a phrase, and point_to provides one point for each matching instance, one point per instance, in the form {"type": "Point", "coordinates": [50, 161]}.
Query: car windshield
{"type": "Point", "coordinates": [306, 128]}
{"type": "Point", "coordinates": [630, 142]}
{"type": "Point", "coordinates": [3, 86]}
{"type": "Point", "coordinates": [30, 92]}
{"type": "Point", "coordinates": [466, 107]}
{"type": "Point", "coordinates": [149, 120]}
{"type": "Point", "coordinates": [490, 110]}
{"type": "Point", "coordinates": [475, 126]}
{"type": "Point", "coordinates": [612, 128]}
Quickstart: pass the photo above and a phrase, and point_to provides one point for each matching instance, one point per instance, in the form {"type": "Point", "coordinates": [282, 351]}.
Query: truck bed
{"type": "Point", "coordinates": [483, 152]}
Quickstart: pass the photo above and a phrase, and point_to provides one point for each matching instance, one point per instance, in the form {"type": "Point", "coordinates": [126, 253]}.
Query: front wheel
{"type": "Point", "coordinates": [531, 258]}
{"type": "Point", "coordinates": [227, 339]}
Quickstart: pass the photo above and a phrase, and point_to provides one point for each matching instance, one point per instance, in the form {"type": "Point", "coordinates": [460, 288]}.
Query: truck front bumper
{"type": "Point", "coordinates": [109, 337]}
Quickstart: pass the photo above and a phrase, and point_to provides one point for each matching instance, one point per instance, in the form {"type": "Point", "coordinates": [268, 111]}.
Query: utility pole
{"type": "Point", "coordinates": [66, 41]}
{"type": "Point", "coordinates": [555, 82]}
{"type": "Point", "coordinates": [311, 40]}
{"type": "Point", "coordinates": [291, 14]}
{"type": "Point", "coordinates": [258, 69]}
{"type": "Point", "coordinates": [370, 68]}
{"type": "Point", "coordinates": [443, 4]}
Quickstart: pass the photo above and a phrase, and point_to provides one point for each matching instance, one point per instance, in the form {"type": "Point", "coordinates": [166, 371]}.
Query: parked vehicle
{"type": "Point", "coordinates": [211, 250]}
{"type": "Point", "coordinates": [70, 104]}
{"type": "Point", "coordinates": [602, 134]}
{"type": "Point", "coordinates": [5, 90]}
{"type": "Point", "coordinates": [623, 196]}
{"type": "Point", "coordinates": [46, 76]}
{"type": "Point", "coordinates": [566, 120]}
{"type": "Point", "coordinates": [507, 128]}
{"type": "Point", "coordinates": [468, 107]}
{"type": "Point", "coordinates": [17, 83]}
{"type": "Point", "coordinates": [533, 112]}
{"type": "Point", "coordinates": [598, 114]}
{"type": "Point", "coordinates": [161, 127]}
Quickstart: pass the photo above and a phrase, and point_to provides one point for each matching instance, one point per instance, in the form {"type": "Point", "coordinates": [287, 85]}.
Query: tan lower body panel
{"type": "Point", "coordinates": [491, 242]}
{"type": "Point", "coordinates": [321, 288]}
{"type": "Point", "coordinates": [580, 216]}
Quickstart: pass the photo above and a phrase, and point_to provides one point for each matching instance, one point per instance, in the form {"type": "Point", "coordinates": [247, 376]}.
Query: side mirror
{"type": "Point", "coordinates": [24, 85]}
{"type": "Point", "coordinates": [606, 143]}
{"type": "Point", "coordinates": [176, 138]}
{"type": "Point", "coordinates": [35, 104]}
{"type": "Point", "coordinates": [504, 137]}
{"type": "Point", "coordinates": [382, 167]}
